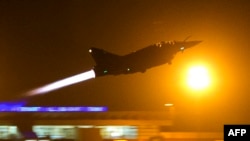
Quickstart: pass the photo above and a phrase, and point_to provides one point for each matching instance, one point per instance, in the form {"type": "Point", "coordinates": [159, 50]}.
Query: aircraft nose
{"type": "Point", "coordinates": [197, 42]}
{"type": "Point", "coordinates": [191, 44]}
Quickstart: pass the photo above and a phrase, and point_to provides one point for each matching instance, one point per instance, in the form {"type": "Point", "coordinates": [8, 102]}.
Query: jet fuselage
{"type": "Point", "coordinates": [138, 61]}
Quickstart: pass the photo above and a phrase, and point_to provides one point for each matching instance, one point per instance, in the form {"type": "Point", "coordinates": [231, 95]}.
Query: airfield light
{"type": "Point", "coordinates": [62, 83]}
{"type": "Point", "coordinates": [169, 104]}
{"type": "Point", "coordinates": [198, 77]}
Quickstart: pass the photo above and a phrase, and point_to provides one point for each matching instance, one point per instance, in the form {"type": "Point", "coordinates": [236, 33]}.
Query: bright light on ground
{"type": "Point", "coordinates": [168, 104]}
{"type": "Point", "coordinates": [198, 77]}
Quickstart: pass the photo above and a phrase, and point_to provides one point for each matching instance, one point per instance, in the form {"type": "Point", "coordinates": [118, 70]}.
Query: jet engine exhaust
{"type": "Point", "coordinates": [62, 83]}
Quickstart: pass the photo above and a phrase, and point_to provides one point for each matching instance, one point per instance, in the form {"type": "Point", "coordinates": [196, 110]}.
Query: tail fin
{"type": "Point", "coordinates": [103, 57]}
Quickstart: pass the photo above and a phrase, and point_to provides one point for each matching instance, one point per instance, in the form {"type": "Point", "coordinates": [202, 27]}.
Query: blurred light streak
{"type": "Point", "coordinates": [53, 109]}
{"type": "Point", "coordinates": [62, 83]}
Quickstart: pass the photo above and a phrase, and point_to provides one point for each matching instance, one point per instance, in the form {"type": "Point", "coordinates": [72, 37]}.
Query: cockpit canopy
{"type": "Point", "coordinates": [173, 42]}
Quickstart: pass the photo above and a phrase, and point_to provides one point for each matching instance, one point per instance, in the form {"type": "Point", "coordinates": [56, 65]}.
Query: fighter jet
{"type": "Point", "coordinates": [139, 61]}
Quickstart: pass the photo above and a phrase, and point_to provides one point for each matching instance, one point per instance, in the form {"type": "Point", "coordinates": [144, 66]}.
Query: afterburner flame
{"type": "Point", "coordinates": [62, 83]}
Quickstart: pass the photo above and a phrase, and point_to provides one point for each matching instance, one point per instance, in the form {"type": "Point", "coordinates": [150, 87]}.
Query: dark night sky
{"type": "Point", "coordinates": [44, 41]}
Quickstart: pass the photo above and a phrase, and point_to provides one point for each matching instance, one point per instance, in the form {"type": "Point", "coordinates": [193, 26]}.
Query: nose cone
{"type": "Point", "coordinates": [190, 44]}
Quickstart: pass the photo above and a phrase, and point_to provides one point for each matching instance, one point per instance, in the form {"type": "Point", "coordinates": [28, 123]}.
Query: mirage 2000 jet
{"type": "Point", "coordinates": [139, 61]}
{"type": "Point", "coordinates": [112, 64]}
